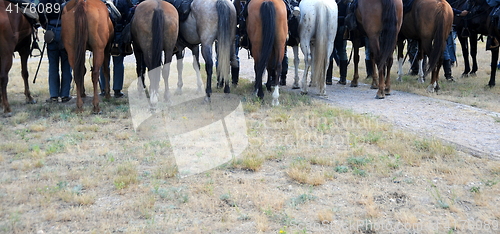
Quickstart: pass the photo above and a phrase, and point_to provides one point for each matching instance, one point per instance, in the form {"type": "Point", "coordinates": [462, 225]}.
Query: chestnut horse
{"type": "Point", "coordinates": [428, 22]}
{"type": "Point", "coordinates": [154, 29]}
{"type": "Point", "coordinates": [381, 21]}
{"type": "Point", "coordinates": [15, 35]}
{"type": "Point", "coordinates": [86, 25]}
{"type": "Point", "coordinates": [267, 30]}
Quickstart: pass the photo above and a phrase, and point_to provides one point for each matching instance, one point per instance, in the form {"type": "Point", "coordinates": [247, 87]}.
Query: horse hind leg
{"type": "Point", "coordinates": [180, 68]}
{"type": "Point", "coordinates": [25, 75]}
{"type": "Point", "coordinates": [296, 61]}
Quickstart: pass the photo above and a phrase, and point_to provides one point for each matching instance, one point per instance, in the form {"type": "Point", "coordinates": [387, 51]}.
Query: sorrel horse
{"type": "Point", "coordinates": [154, 29]}
{"type": "Point", "coordinates": [15, 35]}
{"type": "Point", "coordinates": [381, 21]}
{"type": "Point", "coordinates": [267, 30]}
{"type": "Point", "coordinates": [208, 21]}
{"type": "Point", "coordinates": [317, 29]}
{"type": "Point", "coordinates": [86, 25]}
{"type": "Point", "coordinates": [428, 22]}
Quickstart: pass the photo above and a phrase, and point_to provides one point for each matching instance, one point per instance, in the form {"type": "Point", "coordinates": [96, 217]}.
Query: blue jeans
{"type": "Point", "coordinates": [118, 73]}
{"type": "Point", "coordinates": [449, 52]}
{"type": "Point", "coordinates": [59, 86]}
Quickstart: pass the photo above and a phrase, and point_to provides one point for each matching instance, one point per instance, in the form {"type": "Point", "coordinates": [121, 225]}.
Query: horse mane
{"type": "Point", "coordinates": [390, 27]}
{"type": "Point", "coordinates": [80, 41]}
{"type": "Point", "coordinates": [157, 45]}
{"type": "Point", "coordinates": [268, 14]}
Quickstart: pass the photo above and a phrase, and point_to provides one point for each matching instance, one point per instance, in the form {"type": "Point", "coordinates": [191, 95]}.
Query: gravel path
{"type": "Point", "coordinates": [472, 129]}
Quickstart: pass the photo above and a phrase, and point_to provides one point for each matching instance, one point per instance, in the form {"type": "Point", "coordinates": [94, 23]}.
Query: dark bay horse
{"type": "Point", "coordinates": [428, 22]}
{"type": "Point", "coordinates": [210, 21]}
{"type": "Point", "coordinates": [15, 35]}
{"type": "Point", "coordinates": [468, 35]}
{"type": "Point", "coordinates": [86, 25]}
{"type": "Point", "coordinates": [154, 29]}
{"type": "Point", "coordinates": [267, 30]}
{"type": "Point", "coordinates": [381, 21]}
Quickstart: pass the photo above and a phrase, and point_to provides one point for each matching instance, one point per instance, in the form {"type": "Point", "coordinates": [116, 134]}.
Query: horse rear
{"type": "Point", "coordinates": [267, 30]}
{"type": "Point", "coordinates": [381, 21]}
{"type": "Point", "coordinates": [429, 22]}
{"type": "Point", "coordinates": [210, 21]}
{"type": "Point", "coordinates": [86, 25]}
{"type": "Point", "coordinates": [317, 29]}
{"type": "Point", "coordinates": [154, 29]}
{"type": "Point", "coordinates": [15, 35]}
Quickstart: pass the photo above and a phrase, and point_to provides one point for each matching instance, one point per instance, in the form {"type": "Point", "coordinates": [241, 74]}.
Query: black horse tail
{"type": "Point", "coordinates": [80, 42]}
{"type": "Point", "coordinates": [224, 39]}
{"type": "Point", "coordinates": [268, 15]}
{"type": "Point", "coordinates": [441, 33]}
{"type": "Point", "coordinates": [157, 45]}
{"type": "Point", "coordinates": [389, 33]}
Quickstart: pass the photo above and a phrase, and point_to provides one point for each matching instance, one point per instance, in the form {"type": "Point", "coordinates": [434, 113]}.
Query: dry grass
{"type": "Point", "coordinates": [309, 168]}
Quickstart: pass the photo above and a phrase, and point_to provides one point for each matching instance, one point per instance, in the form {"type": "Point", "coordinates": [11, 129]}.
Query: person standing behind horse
{"type": "Point", "coordinates": [59, 83]}
{"type": "Point", "coordinates": [339, 46]}
{"type": "Point", "coordinates": [119, 49]}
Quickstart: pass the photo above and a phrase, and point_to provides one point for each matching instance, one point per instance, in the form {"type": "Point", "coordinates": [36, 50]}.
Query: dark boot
{"type": "Point", "coordinates": [329, 74]}
{"type": "Point", "coordinates": [369, 69]}
{"type": "Point", "coordinates": [343, 72]}
{"type": "Point", "coordinates": [235, 75]}
{"type": "Point", "coordinates": [447, 70]}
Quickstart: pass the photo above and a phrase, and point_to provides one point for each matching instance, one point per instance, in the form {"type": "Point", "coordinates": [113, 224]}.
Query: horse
{"type": "Point", "coordinates": [154, 29]}
{"type": "Point", "coordinates": [86, 25]}
{"type": "Point", "coordinates": [267, 31]}
{"type": "Point", "coordinates": [317, 29]}
{"type": "Point", "coordinates": [468, 36]}
{"type": "Point", "coordinates": [15, 35]}
{"type": "Point", "coordinates": [381, 21]}
{"type": "Point", "coordinates": [207, 22]}
{"type": "Point", "coordinates": [478, 21]}
{"type": "Point", "coordinates": [429, 22]}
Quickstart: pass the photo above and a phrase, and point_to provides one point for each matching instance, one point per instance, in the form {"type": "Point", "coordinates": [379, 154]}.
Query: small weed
{"type": "Point", "coordinates": [475, 189]}
{"type": "Point", "coordinates": [357, 161]}
{"type": "Point", "coordinates": [359, 172]}
{"type": "Point", "coordinates": [341, 169]}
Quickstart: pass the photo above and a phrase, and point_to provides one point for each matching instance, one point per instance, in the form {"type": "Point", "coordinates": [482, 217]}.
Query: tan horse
{"type": "Point", "coordinates": [429, 22]}
{"type": "Point", "coordinates": [154, 29]}
{"type": "Point", "coordinates": [267, 30]}
{"type": "Point", "coordinates": [381, 21]}
{"type": "Point", "coordinates": [15, 35]}
{"type": "Point", "coordinates": [86, 25]}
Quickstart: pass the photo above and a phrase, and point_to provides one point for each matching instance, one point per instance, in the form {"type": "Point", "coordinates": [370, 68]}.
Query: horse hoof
{"type": "Point", "coordinates": [207, 100]}
{"type": "Point", "coordinates": [7, 115]}
{"type": "Point", "coordinates": [227, 89]}
{"type": "Point", "coordinates": [374, 87]}
{"type": "Point", "coordinates": [178, 92]}
{"type": "Point", "coordinates": [354, 85]}
{"type": "Point", "coordinates": [296, 87]}
{"type": "Point", "coordinates": [303, 93]}
{"type": "Point", "coordinates": [379, 97]}
{"type": "Point", "coordinates": [31, 101]}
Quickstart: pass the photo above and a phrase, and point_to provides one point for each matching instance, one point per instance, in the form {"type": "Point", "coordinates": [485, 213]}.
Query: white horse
{"type": "Point", "coordinates": [208, 21]}
{"type": "Point", "coordinates": [317, 28]}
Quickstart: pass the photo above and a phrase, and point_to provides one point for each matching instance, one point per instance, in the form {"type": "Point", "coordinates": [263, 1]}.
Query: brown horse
{"type": "Point", "coordinates": [154, 29]}
{"type": "Point", "coordinates": [428, 22]}
{"type": "Point", "coordinates": [267, 30]}
{"type": "Point", "coordinates": [15, 35]}
{"type": "Point", "coordinates": [86, 25]}
{"type": "Point", "coordinates": [381, 21]}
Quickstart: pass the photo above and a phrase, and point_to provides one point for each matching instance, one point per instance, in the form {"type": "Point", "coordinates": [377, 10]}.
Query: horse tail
{"type": "Point", "coordinates": [321, 55]}
{"type": "Point", "coordinates": [268, 17]}
{"type": "Point", "coordinates": [224, 39]}
{"type": "Point", "coordinates": [157, 45]}
{"type": "Point", "coordinates": [389, 31]}
{"type": "Point", "coordinates": [80, 42]}
{"type": "Point", "coordinates": [439, 43]}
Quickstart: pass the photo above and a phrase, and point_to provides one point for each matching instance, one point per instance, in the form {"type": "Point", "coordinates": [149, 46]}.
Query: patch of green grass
{"type": "Point", "coordinates": [341, 169]}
